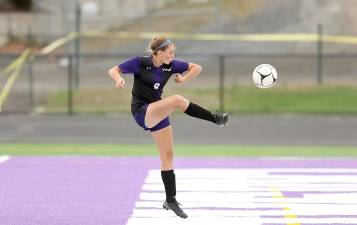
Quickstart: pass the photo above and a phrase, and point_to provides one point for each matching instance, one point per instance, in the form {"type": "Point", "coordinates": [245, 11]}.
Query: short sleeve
{"type": "Point", "coordinates": [179, 66]}
{"type": "Point", "coordinates": [130, 66]}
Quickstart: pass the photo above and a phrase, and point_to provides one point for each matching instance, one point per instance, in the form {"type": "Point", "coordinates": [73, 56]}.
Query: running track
{"type": "Point", "coordinates": [127, 190]}
{"type": "Point", "coordinates": [241, 129]}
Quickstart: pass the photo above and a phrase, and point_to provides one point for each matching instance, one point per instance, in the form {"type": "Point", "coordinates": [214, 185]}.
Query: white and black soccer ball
{"type": "Point", "coordinates": [265, 76]}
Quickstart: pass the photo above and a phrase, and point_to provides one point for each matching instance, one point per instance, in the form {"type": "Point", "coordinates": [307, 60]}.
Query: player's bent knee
{"type": "Point", "coordinates": [180, 101]}
{"type": "Point", "coordinates": [177, 98]}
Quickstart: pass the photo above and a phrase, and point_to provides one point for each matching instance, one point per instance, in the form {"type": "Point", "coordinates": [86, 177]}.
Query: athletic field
{"type": "Point", "coordinates": [297, 170]}
{"type": "Point", "coordinates": [94, 187]}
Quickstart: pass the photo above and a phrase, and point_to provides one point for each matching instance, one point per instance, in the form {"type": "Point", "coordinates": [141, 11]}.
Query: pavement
{"type": "Point", "coordinates": [241, 129]}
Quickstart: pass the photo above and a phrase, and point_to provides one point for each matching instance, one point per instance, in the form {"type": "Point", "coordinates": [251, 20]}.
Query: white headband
{"type": "Point", "coordinates": [164, 44]}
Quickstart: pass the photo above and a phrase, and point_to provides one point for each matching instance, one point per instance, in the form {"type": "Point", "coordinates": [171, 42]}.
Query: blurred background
{"type": "Point", "coordinates": [54, 55]}
{"type": "Point", "coordinates": [294, 143]}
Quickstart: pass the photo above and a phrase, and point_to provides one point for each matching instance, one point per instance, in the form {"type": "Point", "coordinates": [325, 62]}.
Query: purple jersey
{"type": "Point", "coordinates": [149, 80]}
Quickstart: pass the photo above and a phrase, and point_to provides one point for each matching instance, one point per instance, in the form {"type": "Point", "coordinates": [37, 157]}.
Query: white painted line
{"type": "Point", "coordinates": [171, 219]}
{"type": "Point", "coordinates": [201, 196]}
{"type": "Point", "coordinates": [212, 187]}
{"type": "Point", "coordinates": [151, 214]}
{"type": "Point", "coordinates": [237, 197]}
{"type": "Point", "coordinates": [284, 179]}
{"type": "Point", "coordinates": [4, 158]}
{"type": "Point", "coordinates": [244, 205]}
{"type": "Point", "coordinates": [139, 213]}
{"type": "Point", "coordinates": [244, 196]}
{"type": "Point", "coordinates": [246, 172]}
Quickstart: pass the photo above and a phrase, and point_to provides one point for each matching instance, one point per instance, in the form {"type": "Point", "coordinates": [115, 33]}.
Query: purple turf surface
{"type": "Point", "coordinates": [101, 190]}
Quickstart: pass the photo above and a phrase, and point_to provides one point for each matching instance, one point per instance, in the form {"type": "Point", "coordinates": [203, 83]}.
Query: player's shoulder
{"type": "Point", "coordinates": [179, 66]}
{"type": "Point", "coordinates": [178, 61]}
{"type": "Point", "coordinates": [145, 60]}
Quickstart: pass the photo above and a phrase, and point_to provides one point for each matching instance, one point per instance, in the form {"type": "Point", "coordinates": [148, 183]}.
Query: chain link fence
{"type": "Point", "coordinates": [49, 84]}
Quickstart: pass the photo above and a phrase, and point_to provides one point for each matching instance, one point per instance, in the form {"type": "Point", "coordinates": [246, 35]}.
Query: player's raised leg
{"type": "Point", "coordinates": [161, 109]}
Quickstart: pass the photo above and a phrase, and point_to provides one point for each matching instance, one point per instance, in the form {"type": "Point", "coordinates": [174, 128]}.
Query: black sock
{"type": "Point", "coordinates": [199, 112]}
{"type": "Point", "coordinates": [168, 177]}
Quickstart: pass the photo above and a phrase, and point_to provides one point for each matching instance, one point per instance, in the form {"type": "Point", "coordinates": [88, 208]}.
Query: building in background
{"type": "Point", "coordinates": [47, 19]}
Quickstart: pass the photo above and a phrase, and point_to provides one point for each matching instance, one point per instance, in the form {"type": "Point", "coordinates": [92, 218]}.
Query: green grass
{"type": "Point", "coordinates": [18, 149]}
{"type": "Point", "coordinates": [242, 99]}
{"type": "Point", "coordinates": [309, 99]}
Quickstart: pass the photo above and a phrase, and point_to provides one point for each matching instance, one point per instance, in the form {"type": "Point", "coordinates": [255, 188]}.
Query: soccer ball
{"type": "Point", "coordinates": [265, 76]}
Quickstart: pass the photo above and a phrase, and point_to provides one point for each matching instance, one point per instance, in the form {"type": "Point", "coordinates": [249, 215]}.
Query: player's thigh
{"type": "Point", "coordinates": [164, 141]}
{"type": "Point", "coordinates": [159, 110]}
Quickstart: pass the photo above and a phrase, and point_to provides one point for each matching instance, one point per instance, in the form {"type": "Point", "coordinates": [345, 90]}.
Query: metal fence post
{"type": "Point", "coordinates": [10, 34]}
{"type": "Point", "coordinates": [77, 43]}
{"type": "Point", "coordinates": [30, 77]}
{"type": "Point", "coordinates": [29, 63]}
{"type": "Point", "coordinates": [70, 88]}
{"type": "Point", "coordinates": [319, 54]}
{"type": "Point", "coordinates": [221, 82]}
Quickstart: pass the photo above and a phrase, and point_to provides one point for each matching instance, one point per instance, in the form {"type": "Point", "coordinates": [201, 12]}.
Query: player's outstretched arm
{"type": "Point", "coordinates": [115, 75]}
{"type": "Point", "coordinates": [192, 72]}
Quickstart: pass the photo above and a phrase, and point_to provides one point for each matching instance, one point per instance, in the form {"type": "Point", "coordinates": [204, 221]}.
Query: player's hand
{"type": "Point", "coordinates": [179, 78]}
{"type": "Point", "coordinates": [119, 83]}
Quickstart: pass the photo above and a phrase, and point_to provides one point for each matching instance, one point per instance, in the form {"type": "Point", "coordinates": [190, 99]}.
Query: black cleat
{"type": "Point", "coordinates": [221, 118]}
{"type": "Point", "coordinates": [175, 206]}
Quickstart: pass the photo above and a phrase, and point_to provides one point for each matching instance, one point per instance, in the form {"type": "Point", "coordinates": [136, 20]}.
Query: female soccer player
{"type": "Point", "coordinates": [152, 113]}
